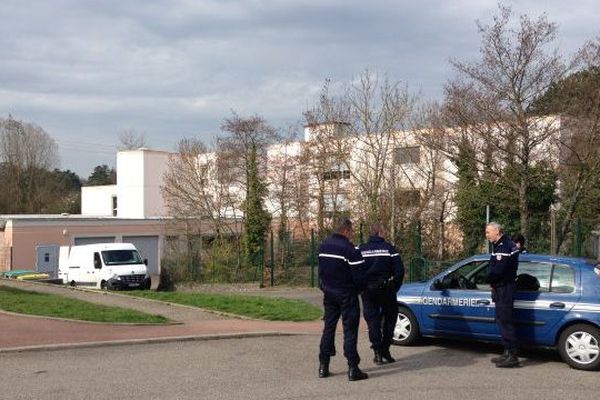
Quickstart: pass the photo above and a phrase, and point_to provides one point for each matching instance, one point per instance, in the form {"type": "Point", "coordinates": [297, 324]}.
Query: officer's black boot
{"type": "Point", "coordinates": [378, 359]}
{"type": "Point", "coordinates": [509, 362]}
{"type": "Point", "coordinates": [387, 357]}
{"type": "Point", "coordinates": [323, 370]}
{"type": "Point", "coordinates": [501, 357]}
{"type": "Point", "coordinates": [355, 374]}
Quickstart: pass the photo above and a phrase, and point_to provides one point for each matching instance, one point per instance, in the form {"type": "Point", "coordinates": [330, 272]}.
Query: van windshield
{"type": "Point", "coordinates": [121, 257]}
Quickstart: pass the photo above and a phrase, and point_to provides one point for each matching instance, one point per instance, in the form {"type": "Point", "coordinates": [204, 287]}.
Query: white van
{"type": "Point", "coordinates": [103, 266]}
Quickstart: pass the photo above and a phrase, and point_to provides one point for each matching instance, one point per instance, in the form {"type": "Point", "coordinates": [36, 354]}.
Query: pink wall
{"type": "Point", "coordinates": [25, 236]}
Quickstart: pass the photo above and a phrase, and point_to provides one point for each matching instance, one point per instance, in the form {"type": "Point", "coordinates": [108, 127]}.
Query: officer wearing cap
{"type": "Point", "coordinates": [341, 276]}
{"type": "Point", "coordinates": [502, 273]}
{"type": "Point", "coordinates": [385, 272]}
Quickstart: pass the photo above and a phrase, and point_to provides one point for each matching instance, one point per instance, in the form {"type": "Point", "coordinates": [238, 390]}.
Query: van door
{"type": "Point", "coordinates": [93, 269]}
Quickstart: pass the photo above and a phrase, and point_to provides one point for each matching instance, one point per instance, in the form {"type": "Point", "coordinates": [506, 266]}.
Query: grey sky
{"type": "Point", "coordinates": [86, 70]}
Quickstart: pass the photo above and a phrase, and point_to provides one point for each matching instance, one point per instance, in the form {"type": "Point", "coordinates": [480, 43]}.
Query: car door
{"type": "Point", "coordinates": [545, 293]}
{"type": "Point", "coordinates": [460, 303]}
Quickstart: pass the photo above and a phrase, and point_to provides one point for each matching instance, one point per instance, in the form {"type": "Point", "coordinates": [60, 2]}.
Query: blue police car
{"type": "Point", "coordinates": [557, 304]}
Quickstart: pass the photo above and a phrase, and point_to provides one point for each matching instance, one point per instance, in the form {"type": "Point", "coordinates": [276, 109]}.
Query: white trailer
{"type": "Point", "coordinates": [103, 266]}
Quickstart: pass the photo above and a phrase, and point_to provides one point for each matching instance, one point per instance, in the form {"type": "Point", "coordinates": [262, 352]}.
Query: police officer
{"type": "Point", "coordinates": [502, 273]}
{"type": "Point", "coordinates": [341, 275]}
{"type": "Point", "coordinates": [520, 242]}
{"type": "Point", "coordinates": [384, 271]}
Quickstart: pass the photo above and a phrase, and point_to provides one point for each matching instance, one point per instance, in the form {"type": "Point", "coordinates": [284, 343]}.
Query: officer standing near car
{"type": "Point", "coordinates": [342, 278]}
{"type": "Point", "coordinates": [502, 273]}
{"type": "Point", "coordinates": [385, 272]}
{"type": "Point", "coordinates": [520, 242]}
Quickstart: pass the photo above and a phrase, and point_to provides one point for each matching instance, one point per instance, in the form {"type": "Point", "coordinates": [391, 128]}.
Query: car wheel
{"type": "Point", "coordinates": [406, 331]}
{"type": "Point", "coordinates": [72, 284]}
{"type": "Point", "coordinates": [579, 346]}
{"type": "Point", "coordinates": [103, 285]}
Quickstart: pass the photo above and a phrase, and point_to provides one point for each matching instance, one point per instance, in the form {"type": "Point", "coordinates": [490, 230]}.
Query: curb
{"type": "Point", "coordinates": [167, 339]}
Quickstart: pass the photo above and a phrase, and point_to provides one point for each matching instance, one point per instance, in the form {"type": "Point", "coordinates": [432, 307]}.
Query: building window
{"type": "Point", "coordinates": [336, 175]}
{"type": "Point", "coordinates": [114, 206]}
{"type": "Point", "coordinates": [335, 202]}
{"type": "Point", "coordinates": [408, 155]}
{"type": "Point", "coordinates": [203, 175]}
{"type": "Point", "coordinates": [337, 170]}
{"type": "Point", "coordinates": [408, 198]}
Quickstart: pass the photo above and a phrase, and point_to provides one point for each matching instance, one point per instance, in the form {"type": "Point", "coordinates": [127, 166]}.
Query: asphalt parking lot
{"type": "Point", "coordinates": [284, 367]}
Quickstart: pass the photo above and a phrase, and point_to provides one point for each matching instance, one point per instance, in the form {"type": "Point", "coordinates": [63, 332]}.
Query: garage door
{"type": "Point", "coordinates": [148, 248]}
{"type": "Point", "coordinates": [94, 239]}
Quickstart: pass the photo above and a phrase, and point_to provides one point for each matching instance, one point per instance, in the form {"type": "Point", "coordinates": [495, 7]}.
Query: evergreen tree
{"type": "Point", "coordinates": [257, 220]}
{"type": "Point", "coordinates": [102, 175]}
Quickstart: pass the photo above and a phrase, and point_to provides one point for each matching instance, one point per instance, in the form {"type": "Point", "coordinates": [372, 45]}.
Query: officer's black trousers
{"type": "Point", "coordinates": [504, 296]}
{"type": "Point", "coordinates": [345, 305]}
{"type": "Point", "coordinates": [380, 312]}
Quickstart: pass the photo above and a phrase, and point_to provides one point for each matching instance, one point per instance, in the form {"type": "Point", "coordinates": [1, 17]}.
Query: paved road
{"type": "Point", "coordinates": [283, 368]}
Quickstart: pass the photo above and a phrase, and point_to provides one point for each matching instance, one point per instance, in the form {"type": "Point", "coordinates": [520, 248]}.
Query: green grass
{"type": "Point", "coordinates": [49, 305]}
{"type": "Point", "coordinates": [272, 309]}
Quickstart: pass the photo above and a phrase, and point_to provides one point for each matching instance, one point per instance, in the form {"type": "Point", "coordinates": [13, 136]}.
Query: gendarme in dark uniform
{"type": "Point", "coordinates": [502, 274]}
{"type": "Point", "coordinates": [341, 276]}
{"type": "Point", "coordinates": [385, 272]}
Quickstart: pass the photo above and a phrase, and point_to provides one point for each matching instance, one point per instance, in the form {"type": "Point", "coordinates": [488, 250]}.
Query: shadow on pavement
{"type": "Point", "coordinates": [454, 354]}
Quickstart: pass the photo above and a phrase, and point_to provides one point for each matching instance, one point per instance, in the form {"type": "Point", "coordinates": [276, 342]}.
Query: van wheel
{"type": "Point", "coordinates": [579, 346]}
{"type": "Point", "coordinates": [406, 331]}
{"type": "Point", "coordinates": [103, 285]}
{"type": "Point", "coordinates": [72, 283]}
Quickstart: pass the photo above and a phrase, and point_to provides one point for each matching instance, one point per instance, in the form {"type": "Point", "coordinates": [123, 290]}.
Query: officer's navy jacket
{"type": "Point", "coordinates": [504, 262]}
{"type": "Point", "coordinates": [341, 267]}
{"type": "Point", "coordinates": [382, 262]}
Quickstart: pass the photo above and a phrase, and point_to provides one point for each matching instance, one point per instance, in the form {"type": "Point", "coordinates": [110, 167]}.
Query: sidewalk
{"type": "Point", "coordinates": [21, 333]}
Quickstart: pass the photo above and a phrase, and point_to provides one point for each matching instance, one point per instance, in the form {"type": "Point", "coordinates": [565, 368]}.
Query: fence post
{"type": "Point", "coordinates": [578, 240]}
{"type": "Point", "coordinates": [312, 257]}
{"type": "Point", "coordinates": [272, 261]}
{"type": "Point", "coordinates": [361, 234]}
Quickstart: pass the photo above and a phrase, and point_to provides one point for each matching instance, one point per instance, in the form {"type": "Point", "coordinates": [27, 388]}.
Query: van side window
{"type": "Point", "coordinates": [97, 261]}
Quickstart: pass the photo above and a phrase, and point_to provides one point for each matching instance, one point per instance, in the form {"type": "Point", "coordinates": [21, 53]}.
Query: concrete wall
{"type": "Point", "coordinates": [139, 178]}
{"type": "Point", "coordinates": [130, 184]}
{"type": "Point", "coordinates": [97, 200]}
{"type": "Point", "coordinates": [156, 164]}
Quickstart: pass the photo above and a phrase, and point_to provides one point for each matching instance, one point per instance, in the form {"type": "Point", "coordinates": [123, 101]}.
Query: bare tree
{"type": "Point", "coordinates": [244, 155]}
{"type": "Point", "coordinates": [27, 154]}
{"type": "Point", "coordinates": [370, 116]}
{"type": "Point", "coordinates": [577, 99]}
{"type": "Point", "coordinates": [129, 139]}
{"type": "Point", "coordinates": [490, 103]}
{"type": "Point", "coordinates": [281, 173]}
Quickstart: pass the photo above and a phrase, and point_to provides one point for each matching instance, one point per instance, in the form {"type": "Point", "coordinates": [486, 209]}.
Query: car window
{"type": "Point", "coordinates": [533, 276]}
{"type": "Point", "coordinates": [563, 279]}
{"type": "Point", "coordinates": [470, 276]}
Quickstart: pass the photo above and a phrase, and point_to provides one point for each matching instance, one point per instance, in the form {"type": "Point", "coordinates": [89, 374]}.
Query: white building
{"type": "Point", "coordinates": [137, 193]}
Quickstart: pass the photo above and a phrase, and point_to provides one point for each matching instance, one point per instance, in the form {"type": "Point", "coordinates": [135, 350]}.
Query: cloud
{"type": "Point", "coordinates": [84, 69]}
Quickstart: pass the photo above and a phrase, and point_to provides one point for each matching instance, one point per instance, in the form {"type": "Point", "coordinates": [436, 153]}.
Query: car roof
{"type": "Point", "coordinates": [546, 258]}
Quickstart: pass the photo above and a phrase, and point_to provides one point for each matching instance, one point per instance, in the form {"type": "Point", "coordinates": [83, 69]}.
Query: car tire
{"type": "Point", "coordinates": [406, 330]}
{"type": "Point", "coordinates": [103, 285]}
{"type": "Point", "coordinates": [579, 346]}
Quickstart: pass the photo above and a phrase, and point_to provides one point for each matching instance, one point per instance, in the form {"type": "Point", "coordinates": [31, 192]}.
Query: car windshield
{"type": "Point", "coordinates": [121, 257]}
